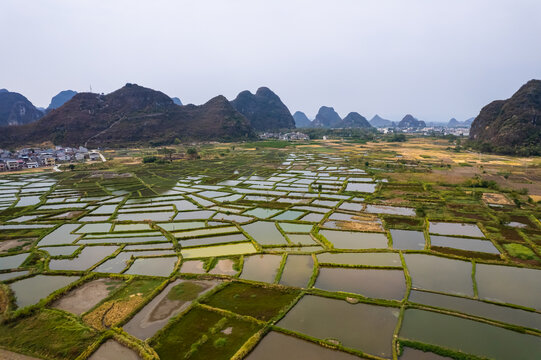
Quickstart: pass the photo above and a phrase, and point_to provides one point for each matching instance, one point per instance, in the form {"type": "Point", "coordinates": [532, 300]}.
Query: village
{"type": "Point", "coordinates": [30, 158]}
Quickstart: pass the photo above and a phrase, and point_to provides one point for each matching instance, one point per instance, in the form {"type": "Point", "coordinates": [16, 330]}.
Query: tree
{"type": "Point", "coordinates": [192, 153]}
{"type": "Point", "coordinates": [168, 153]}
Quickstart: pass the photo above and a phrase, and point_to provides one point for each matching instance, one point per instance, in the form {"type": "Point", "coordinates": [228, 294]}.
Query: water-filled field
{"type": "Point", "coordinates": [313, 252]}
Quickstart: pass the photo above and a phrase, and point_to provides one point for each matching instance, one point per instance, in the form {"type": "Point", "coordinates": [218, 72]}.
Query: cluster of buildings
{"type": "Point", "coordinates": [290, 136]}
{"type": "Point", "coordinates": [29, 158]}
{"type": "Point", "coordinates": [429, 130]}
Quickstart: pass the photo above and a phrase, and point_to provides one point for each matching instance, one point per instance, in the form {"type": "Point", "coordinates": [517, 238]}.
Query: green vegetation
{"type": "Point", "coordinates": [49, 334]}
{"type": "Point", "coordinates": [145, 209]}
{"type": "Point", "coordinates": [185, 291]}
{"type": "Point", "coordinates": [260, 302]}
{"type": "Point", "coordinates": [520, 251]}
{"type": "Point", "coordinates": [203, 334]}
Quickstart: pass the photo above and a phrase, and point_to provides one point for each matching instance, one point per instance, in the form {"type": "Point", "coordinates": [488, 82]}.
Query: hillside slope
{"type": "Point", "coordinates": [264, 110]}
{"type": "Point", "coordinates": [15, 109]}
{"type": "Point", "coordinates": [128, 116]}
{"type": "Point", "coordinates": [511, 126]}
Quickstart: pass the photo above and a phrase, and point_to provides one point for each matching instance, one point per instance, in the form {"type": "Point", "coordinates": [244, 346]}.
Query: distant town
{"type": "Point", "coordinates": [29, 158]}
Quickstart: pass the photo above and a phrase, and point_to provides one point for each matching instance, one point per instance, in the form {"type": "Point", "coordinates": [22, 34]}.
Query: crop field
{"type": "Point", "coordinates": [327, 250]}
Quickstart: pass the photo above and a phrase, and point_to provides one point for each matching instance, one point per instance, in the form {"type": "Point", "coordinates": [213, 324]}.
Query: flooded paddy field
{"type": "Point", "coordinates": [333, 251]}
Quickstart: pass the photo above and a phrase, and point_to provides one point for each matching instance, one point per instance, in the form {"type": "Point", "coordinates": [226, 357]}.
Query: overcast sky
{"type": "Point", "coordinates": [435, 59]}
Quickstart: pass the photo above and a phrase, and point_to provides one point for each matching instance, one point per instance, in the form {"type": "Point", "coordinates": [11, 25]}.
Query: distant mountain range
{"type": "Point", "coordinates": [131, 115]}
{"type": "Point", "coordinates": [327, 117]}
{"type": "Point", "coordinates": [138, 115]}
{"type": "Point", "coordinates": [513, 125]}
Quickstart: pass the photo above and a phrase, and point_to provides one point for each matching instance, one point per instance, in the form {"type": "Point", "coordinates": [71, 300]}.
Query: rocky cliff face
{"type": "Point", "coordinates": [301, 120]}
{"type": "Point", "coordinates": [354, 120]}
{"type": "Point", "coordinates": [15, 109]}
{"type": "Point", "coordinates": [326, 117]}
{"type": "Point", "coordinates": [132, 115]}
{"type": "Point", "coordinates": [264, 110]}
{"type": "Point", "coordinates": [512, 125]}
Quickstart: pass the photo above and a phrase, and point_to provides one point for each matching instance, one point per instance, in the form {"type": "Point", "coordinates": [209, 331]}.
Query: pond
{"type": "Point", "coordinates": [262, 213]}
{"type": "Point", "coordinates": [391, 210]}
{"type": "Point", "coordinates": [361, 187]}
{"type": "Point", "coordinates": [313, 217]}
{"type": "Point", "coordinates": [364, 259]}
{"type": "Point", "coordinates": [194, 215]}
{"type": "Point", "coordinates": [206, 232]}
{"type": "Point", "coordinates": [160, 266]}
{"type": "Point", "coordinates": [116, 264]}
{"type": "Point", "coordinates": [12, 261]}
{"type": "Point", "coordinates": [288, 215]}
{"type": "Point", "coordinates": [265, 233]}
{"type": "Point", "coordinates": [301, 239]}
{"type": "Point", "coordinates": [61, 235]}
{"type": "Point", "coordinates": [261, 268]}
{"type": "Point", "coordinates": [131, 227]}
{"type": "Point", "coordinates": [95, 228]}
{"type": "Point", "coordinates": [369, 327]}
{"type": "Point", "coordinates": [219, 250]}
{"type": "Point", "coordinates": [373, 283]}
{"type": "Point", "coordinates": [153, 216]}
{"type": "Point", "coordinates": [414, 354]}
{"type": "Point", "coordinates": [224, 267]}
{"type": "Point", "coordinates": [113, 350]}
{"type": "Point", "coordinates": [276, 345]}
{"type": "Point", "coordinates": [478, 308]}
{"type": "Point", "coordinates": [213, 240]}
{"type": "Point", "coordinates": [355, 240]}
{"type": "Point", "coordinates": [468, 244]}
{"type": "Point", "coordinates": [12, 275]}
{"type": "Point", "coordinates": [297, 271]}
{"type": "Point", "coordinates": [408, 240]}
{"type": "Point", "coordinates": [89, 256]}
{"type": "Point", "coordinates": [295, 228]}
{"type": "Point", "coordinates": [86, 296]}
{"type": "Point", "coordinates": [29, 291]}
{"type": "Point", "coordinates": [458, 229]}
{"type": "Point", "coordinates": [509, 284]}
{"type": "Point", "coordinates": [192, 267]}
{"type": "Point", "coordinates": [176, 297]}
{"type": "Point", "coordinates": [468, 336]}
{"type": "Point", "coordinates": [440, 274]}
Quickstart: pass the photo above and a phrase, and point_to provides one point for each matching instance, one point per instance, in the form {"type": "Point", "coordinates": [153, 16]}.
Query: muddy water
{"type": "Point", "coordinates": [261, 267]}
{"type": "Point", "coordinates": [111, 350]}
{"type": "Point", "coordinates": [276, 345]}
{"type": "Point", "coordinates": [369, 327]}
{"type": "Point", "coordinates": [385, 284]}
{"type": "Point", "coordinates": [84, 297]}
{"type": "Point", "coordinates": [224, 267]}
{"type": "Point", "coordinates": [157, 313]}
{"type": "Point", "coordinates": [440, 274]}
{"type": "Point", "coordinates": [29, 291]}
{"type": "Point", "coordinates": [297, 271]}
{"type": "Point", "coordinates": [468, 336]}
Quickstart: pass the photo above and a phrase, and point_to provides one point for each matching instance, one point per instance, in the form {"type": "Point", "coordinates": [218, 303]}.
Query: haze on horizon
{"type": "Point", "coordinates": [433, 59]}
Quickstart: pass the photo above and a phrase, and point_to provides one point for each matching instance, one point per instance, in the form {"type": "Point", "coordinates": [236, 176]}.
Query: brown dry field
{"type": "Point", "coordinates": [507, 171]}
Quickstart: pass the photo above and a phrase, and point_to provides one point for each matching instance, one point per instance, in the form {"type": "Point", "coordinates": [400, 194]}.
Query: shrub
{"type": "Point", "coordinates": [149, 159]}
